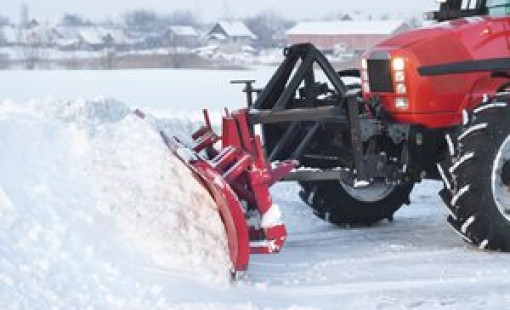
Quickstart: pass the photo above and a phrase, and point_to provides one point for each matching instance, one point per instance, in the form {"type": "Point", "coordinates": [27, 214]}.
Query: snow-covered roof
{"type": "Point", "coordinates": [383, 27]}
{"type": "Point", "coordinates": [67, 42]}
{"type": "Point", "coordinates": [185, 31]}
{"type": "Point", "coordinates": [234, 29]}
{"type": "Point", "coordinates": [65, 32]}
{"type": "Point", "coordinates": [91, 36]}
{"type": "Point", "coordinates": [118, 35]}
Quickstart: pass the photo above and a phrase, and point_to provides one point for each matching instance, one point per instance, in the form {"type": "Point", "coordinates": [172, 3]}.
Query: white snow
{"type": "Point", "coordinates": [272, 217]}
{"type": "Point", "coordinates": [90, 200]}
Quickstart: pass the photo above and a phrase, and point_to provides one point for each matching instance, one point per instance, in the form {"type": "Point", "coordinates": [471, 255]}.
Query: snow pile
{"type": "Point", "coordinates": [90, 199]}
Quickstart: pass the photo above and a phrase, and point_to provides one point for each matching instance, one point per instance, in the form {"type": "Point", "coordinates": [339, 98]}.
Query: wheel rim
{"type": "Point", "coordinates": [372, 193]}
{"type": "Point", "coordinates": [500, 191]}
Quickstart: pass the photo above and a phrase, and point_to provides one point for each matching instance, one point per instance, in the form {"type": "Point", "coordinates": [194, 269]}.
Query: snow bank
{"type": "Point", "coordinates": [90, 199]}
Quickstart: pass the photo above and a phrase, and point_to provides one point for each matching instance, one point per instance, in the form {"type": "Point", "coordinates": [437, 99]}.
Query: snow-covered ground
{"type": "Point", "coordinates": [167, 90]}
{"type": "Point", "coordinates": [52, 57]}
{"type": "Point", "coordinates": [96, 214]}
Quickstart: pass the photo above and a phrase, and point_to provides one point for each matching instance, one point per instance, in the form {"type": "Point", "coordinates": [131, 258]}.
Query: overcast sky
{"type": "Point", "coordinates": [211, 9]}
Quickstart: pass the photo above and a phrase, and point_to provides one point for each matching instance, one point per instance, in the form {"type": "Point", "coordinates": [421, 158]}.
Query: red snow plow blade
{"type": "Point", "coordinates": [238, 178]}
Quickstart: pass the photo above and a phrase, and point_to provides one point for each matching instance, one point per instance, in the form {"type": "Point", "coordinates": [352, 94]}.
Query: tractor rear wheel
{"type": "Point", "coordinates": [342, 204]}
{"type": "Point", "coordinates": [480, 194]}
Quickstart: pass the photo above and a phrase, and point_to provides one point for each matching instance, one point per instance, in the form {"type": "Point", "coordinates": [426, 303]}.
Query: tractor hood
{"type": "Point", "coordinates": [452, 41]}
{"type": "Point", "coordinates": [419, 36]}
{"type": "Point", "coordinates": [432, 32]}
{"type": "Point", "coordinates": [459, 42]}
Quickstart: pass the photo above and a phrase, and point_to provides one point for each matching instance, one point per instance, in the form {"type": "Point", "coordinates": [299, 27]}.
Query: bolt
{"type": "Point", "coordinates": [419, 139]}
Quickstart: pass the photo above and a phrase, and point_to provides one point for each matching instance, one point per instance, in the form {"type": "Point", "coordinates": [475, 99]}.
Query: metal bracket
{"type": "Point", "coordinates": [248, 89]}
{"type": "Point", "coordinates": [356, 138]}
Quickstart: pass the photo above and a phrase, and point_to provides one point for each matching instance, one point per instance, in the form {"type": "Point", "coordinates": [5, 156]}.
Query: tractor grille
{"type": "Point", "coordinates": [379, 73]}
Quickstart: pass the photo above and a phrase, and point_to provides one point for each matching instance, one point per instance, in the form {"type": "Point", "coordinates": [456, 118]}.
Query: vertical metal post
{"type": "Point", "coordinates": [356, 138]}
{"type": "Point", "coordinates": [248, 89]}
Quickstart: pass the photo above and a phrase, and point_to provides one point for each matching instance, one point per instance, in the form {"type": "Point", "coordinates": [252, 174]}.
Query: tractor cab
{"type": "Point", "coordinates": [498, 7]}
{"type": "Point", "coordinates": [453, 9]}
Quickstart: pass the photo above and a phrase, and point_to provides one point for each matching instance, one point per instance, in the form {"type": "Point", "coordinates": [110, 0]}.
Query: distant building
{"type": "Point", "coordinates": [150, 41]}
{"type": "Point", "coordinates": [36, 35]}
{"type": "Point", "coordinates": [181, 36]}
{"type": "Point", "coordinates": [8, 36]}
{"type": "Point", "coordinates": [90, 38]}
{"type": "Point", "coordinates": [279, 39]}
{"type": "Point", "coordinates": [231, 36]}
{"type": "Point", "coordinates": [93, 38]}
{"type": "Point", "coordinates": [116, 37]}
{"type": "Point", "coordinates": [354, 36]}
{"type": "Point", "coordinates": [66, 38]}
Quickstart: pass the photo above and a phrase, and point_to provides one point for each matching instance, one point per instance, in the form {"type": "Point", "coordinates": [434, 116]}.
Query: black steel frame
{"type": "Point", "coordinates": [283, 100]}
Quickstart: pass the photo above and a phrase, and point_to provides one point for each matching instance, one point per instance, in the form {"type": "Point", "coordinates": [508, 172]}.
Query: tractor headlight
{"type": "Point", "coordinates": [401, 103]}
{"type": "Point", "coordinates": [401, 88]}
{"type": "Point", "coordinates": [398, 64]}
{"type": "Point", "coordinates": [400, 76]}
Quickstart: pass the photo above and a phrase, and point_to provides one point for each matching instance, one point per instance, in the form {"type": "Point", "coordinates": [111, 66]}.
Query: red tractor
{"type": "Point", "coordinates": [432, 103]}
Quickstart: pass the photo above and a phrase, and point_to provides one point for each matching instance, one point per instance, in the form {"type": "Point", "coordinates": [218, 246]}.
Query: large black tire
{"type": "Point", "coordinates": [478, 197]}
{"type": "Point", "coordinates": [331, 201]}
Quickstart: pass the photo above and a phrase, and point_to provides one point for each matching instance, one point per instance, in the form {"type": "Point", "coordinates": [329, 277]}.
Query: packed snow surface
{"type": "Point", "coordinates": [95, 213]}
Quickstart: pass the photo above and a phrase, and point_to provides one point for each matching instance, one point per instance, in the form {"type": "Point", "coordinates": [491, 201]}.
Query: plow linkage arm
{"type": "Point", "coordinates": [238, 177]}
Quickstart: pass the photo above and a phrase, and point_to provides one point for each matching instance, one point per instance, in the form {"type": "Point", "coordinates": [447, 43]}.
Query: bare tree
{"type": "Point", "coordinates": [186, 18]}
{"type": "Point", "coordinates": [338, 16]}
{"type": "Point", "coordinates": [74, 20]}
{"type": "Point", "coordinates": [140, 20]}
{"type": "Point", "coordinates": [110, 52]}
{"type": "Point", "coordinates": [146, 20]}
{"type": "Point", "coordinates": [266, 25]}
{"type": "Point", "coordinates": [31, 48]}
{"type": "Point", "coordinates": [4, 61]}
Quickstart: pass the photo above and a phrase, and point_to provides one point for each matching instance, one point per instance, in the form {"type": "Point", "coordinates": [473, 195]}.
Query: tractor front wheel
{"type": "Point", "coordinates": [343, 204]}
